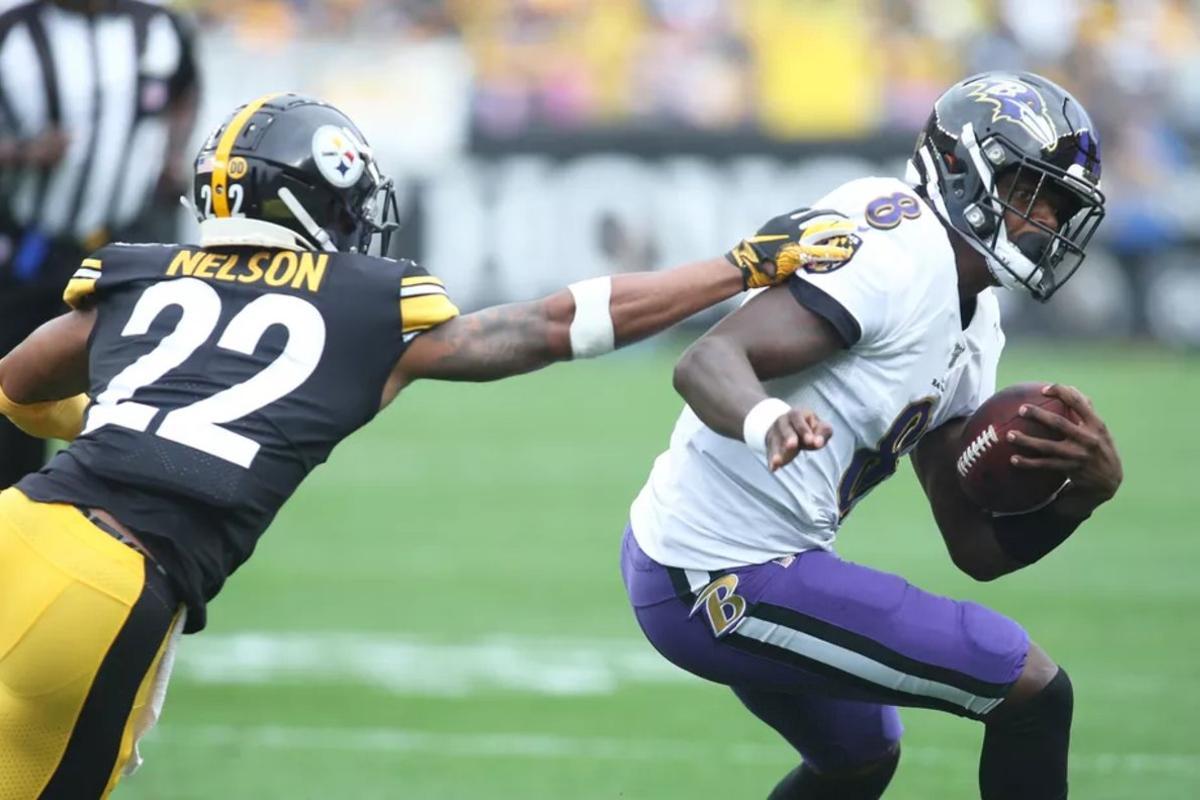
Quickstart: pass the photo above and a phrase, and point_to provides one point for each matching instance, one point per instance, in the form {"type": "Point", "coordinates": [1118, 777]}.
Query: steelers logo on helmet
{"type": "Point", "coordinates": [338, 156]}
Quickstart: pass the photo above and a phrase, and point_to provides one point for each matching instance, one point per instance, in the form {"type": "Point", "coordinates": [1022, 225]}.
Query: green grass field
{"type": "Point", "coordinates": [438, 613]}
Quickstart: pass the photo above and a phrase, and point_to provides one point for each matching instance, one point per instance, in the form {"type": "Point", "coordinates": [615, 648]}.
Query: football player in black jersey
{"type": "Point", "coordinates": [201, 384]}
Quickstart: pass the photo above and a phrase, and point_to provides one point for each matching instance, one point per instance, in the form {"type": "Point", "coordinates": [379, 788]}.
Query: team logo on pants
{"type": "Point", "coordinates": [725, 609]}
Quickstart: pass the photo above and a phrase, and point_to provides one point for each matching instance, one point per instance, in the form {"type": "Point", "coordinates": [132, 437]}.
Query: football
{"type": "Point", "coordinates": [985, 470]}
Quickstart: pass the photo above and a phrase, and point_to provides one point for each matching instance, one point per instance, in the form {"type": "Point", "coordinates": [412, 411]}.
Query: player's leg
{"type": "Point", "coordinates": [83, 621]}
{"type": "Point", "coordinates": [850, 749]}
{"type": "Point", "coordinates": [815, 623]}
{"type": "Point", "coordinates": [1028, 736]}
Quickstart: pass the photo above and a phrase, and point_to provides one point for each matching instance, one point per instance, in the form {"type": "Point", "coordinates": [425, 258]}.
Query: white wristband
{"type": "Point", "coordinates": [592, 329]}
{"type": "Point", "coordinates": [759, 421]}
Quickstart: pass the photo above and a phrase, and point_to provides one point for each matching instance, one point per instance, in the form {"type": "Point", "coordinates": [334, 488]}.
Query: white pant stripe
{"type": "Point", "coordinates": [861, 666]}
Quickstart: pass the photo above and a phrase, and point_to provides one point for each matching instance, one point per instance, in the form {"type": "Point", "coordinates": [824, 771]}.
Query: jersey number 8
{"type": "Point", "coordinates": [869, 468]}
{"type": "Point", "coordinates": [890, 210]}
{"type": "Point", "coordinates": [198, 425]}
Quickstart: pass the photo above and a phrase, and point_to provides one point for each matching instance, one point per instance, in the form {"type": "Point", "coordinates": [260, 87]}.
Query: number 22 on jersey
{"type": "Point", "coordinates": [199, 425]}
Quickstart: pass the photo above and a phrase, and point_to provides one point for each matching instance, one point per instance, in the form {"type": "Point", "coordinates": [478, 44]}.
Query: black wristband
{"type": "Point", "coordinates": [1025, 538]}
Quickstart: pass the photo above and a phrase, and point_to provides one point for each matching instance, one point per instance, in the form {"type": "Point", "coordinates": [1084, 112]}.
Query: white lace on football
{"type": "Point", "coordinates": [975, 450]}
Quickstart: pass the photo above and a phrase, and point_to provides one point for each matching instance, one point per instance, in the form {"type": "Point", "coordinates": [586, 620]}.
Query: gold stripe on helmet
{"type": "Point", "coordinates": [220, 173]}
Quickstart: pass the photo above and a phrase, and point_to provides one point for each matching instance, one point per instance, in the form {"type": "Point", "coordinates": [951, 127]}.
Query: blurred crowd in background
{"type": "Point", "coordinates": [602, 118]}
{"type": "Point", "coordinates": [791, 67]}
{"type": "Point", "coordinates": [795, 69]}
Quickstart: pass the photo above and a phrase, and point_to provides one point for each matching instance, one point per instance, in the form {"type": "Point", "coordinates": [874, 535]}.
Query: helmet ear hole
{"type": "Point", "coordinates": [953, 164]}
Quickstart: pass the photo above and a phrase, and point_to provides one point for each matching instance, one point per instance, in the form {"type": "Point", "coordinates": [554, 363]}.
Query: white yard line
{"type": "Point", "coordinates": [418, 666]}
{"type": "Point", "coordinates": [549, 746]}
{"type": "Point", "coordinates": [412, 665]}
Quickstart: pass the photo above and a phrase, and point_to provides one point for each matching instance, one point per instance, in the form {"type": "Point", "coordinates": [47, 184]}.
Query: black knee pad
{"type": "Point", "coordinates": [866, 782]}
{"type": "Point", "coordinates": [1049, 709]}
{"type": "Point", "coordinates": [1025, 749]}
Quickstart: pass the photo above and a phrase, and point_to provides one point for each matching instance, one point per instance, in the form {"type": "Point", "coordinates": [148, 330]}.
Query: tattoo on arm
{"type": "Point", "coordinates": [494, 343]}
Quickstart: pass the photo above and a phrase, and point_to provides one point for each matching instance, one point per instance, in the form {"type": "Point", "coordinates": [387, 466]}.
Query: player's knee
{"type": "Point", "coordinates": [876, 774]}
{"type": "Point", "coordinates": [1038, 673]}
{"type": "Point", "coordinates": [864, 781]}
{"type": "Point", "coordinates": [1050, 708]}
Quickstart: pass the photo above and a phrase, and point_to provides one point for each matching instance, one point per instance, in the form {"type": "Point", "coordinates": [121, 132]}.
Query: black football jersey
{"type": "Point", "coordinates": [219, 379]}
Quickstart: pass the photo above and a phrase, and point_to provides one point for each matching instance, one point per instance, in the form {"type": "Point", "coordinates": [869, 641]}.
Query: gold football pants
{"type": "Point", "coordinates": [84, 620]}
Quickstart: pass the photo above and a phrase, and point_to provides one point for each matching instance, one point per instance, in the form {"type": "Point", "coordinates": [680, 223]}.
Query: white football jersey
{"type": "Point", "coordinates": [711, 502]}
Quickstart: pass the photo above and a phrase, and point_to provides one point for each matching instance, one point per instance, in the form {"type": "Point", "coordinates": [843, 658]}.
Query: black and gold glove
{"type": "Point", "coordinates": [819, 241]}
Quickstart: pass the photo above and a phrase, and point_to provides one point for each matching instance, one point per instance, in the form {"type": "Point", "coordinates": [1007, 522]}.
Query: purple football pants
{"type": "Point", "coordinates": [824, 650]}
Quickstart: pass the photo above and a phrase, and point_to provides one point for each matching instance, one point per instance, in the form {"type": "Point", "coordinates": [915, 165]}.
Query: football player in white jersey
{"type": "Point", "coordinates": [806, 398]}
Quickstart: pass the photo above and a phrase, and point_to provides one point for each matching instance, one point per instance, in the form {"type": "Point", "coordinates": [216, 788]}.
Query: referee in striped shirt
{"type": "Point", "coordinates": [97, 102]}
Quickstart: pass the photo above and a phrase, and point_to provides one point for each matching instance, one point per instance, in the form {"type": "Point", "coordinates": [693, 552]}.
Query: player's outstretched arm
{"type": "Point", "coordinates": [720, 376]}
{"type": "Point", "coordinates": [595, 316]}
{"type": "Point", "coordinates": [590, 318]}
{"type": "Point", "coordinates": [43, 379]}
{"type": "Point", "coordinates": [985, 546]}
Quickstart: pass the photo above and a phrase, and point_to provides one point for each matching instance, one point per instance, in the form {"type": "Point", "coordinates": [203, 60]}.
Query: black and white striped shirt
{"type": "Point", "coordinates": [106, 79]}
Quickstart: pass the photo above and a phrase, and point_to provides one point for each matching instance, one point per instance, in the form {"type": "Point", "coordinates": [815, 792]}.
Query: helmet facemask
{"type": "Point", "coordinates": [379, 213]}
{"type": "Point", "coordinates": [1042, 259]}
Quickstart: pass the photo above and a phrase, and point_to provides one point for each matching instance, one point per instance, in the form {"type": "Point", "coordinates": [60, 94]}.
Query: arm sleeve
{"type": "Point", "coordinates": [54, 419]}
{"type": "Point", "coordinates": [424, 302]}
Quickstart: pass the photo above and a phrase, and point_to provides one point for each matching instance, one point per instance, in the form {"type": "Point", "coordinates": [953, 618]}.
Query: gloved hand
{"type": "Point", "coordinates": [798, 239]}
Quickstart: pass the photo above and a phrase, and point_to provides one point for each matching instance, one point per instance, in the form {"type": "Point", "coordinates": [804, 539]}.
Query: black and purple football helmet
{"type": "Point", "coordinates": [997, 123]}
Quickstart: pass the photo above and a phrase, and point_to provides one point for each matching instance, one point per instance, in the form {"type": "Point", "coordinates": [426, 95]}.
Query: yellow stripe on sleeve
{"type": "Point", "coordinates": [220, 173]}
{"type": "Point", "coordinates": [423, 312]}
{"type": "Point", "coordinates": [78, 291]}
{"type": "Point", "coordinates": [421, 280]}
{"type": "Point", "coordinates": [91, 263]}
{"type": "Point", "coordinates": [53, 419]}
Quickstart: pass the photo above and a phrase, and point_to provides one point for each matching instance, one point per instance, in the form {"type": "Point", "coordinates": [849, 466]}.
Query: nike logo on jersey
{"type": "Point", "coordinates": [941, 383]}
{"type": "Point", "coordinates": [272, 267]}
{"type": "Point", "coordinates": [959, 349]}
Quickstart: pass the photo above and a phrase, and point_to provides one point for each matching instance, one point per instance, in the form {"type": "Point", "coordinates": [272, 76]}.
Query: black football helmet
{"type": "Point", "coordinates": [997, 123]}
{"type": "Point", "coordinates": [291, 171]}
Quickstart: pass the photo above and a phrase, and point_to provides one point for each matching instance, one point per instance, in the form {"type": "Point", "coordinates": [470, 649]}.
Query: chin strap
{"type": "Point", "coordinates": [1005, 261]}
{"type": "Point", "coordinates": [217, 231]}
{"type": "Point", "coordinates": [305, 219]}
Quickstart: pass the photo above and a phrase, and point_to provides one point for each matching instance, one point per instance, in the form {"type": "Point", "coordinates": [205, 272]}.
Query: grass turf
{"type": "Point", "coordinates": [467, 511]}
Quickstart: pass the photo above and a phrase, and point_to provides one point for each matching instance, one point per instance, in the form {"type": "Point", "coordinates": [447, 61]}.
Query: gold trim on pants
{"type": "Point", "coordinates": [84, 620]}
